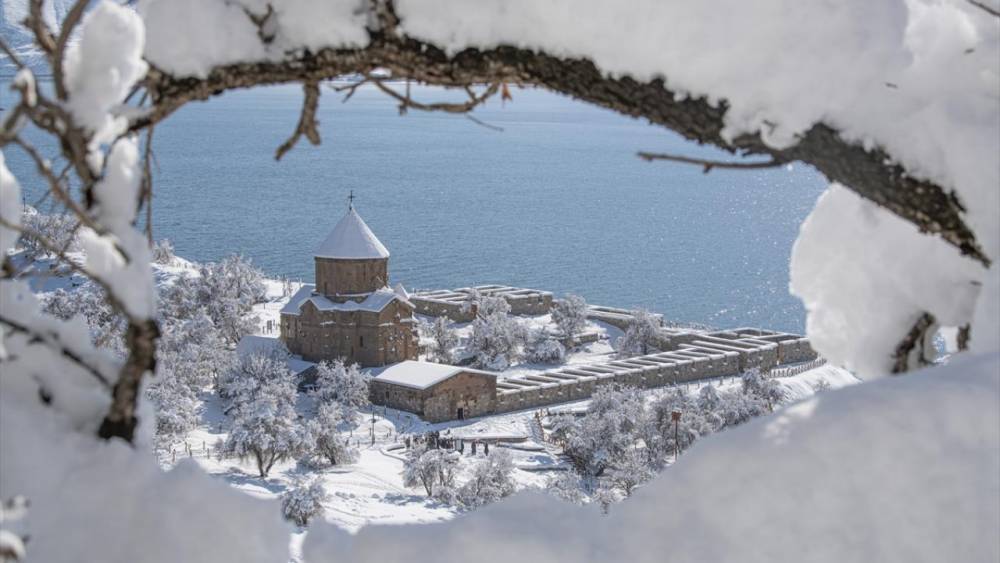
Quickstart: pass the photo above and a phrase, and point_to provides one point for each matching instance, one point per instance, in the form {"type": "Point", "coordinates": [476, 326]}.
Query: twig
{"type": "Point", "coordinates": [307, 120]}
{"type": "Point", "coordinates": [10, 53]}
{"type": "Point", "coordinates": [478, 121]}
{"type": "Point", "coordinates": [992, 11]}
{"type": "Point", "coordinates": [68, 24]}
{"type": "Point", "coordinates": [36, 23]}
{"type": "Point", "coordinates": [55, 185]}
{"type": "Point", "coordinates": [708, 165]}
{"type": "Point", "coordinates": [465, 107]}
{"type": "Point", "coordinates": [147, 185]}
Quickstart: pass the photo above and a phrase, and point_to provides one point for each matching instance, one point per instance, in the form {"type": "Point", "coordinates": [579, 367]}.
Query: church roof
{"type": "Point", "coordinates": [374, 302]}
{"type": "Point", "coordinates": [351, 239]}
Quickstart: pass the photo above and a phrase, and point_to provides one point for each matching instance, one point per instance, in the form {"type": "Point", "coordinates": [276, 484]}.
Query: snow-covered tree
{"type": "Point", "coordinates": [737, 407]}
{"type": "Point", "coordinates": [768, 389]}
{"type": "Point", "coordinates": [226, 291]}
{"type": "Point", "coordinates": [195, 352]}
{"type": "Point", "coordinates": [303, 501]}
{"type": "Point", "coordinates": [543, 349]}
{"type": "Point", "coordinates": [568, 486]}
{"type": "Point", "coordinates": [107, 326]}
{"type": "Point", "coordinates": [640, 335]}
{"type": "Point", "coordinates": [247, 375]}
{"type": "Point", "coordinates": [330, 445]}
{"type": "Point", "coordinates": [343, 384]}
{"type": "Point", "coordinates": [267, 429]}
{"type": "Point", "coordinates": [820, 385]}
{"type": "Point", "coordinates": [491, 480]}
{"type": "Point", "coordinates": [629, 471]}
{"type": "Point", "coordinates": [664, 436]}
{"type": "Point", "coordinates": [177, 406]}
{"type": "Point", "coordinates": [59, 229]}
{"type": "Point", "coordinates": [433, 469]}
{"type": "Point", "coordinates": [570, 315]}
{"type": "Point", "coordinates": [163, 252]}
{"type": "Point", "coordinates": [497, 337]}
{"type": "Point", "coordinates": [444, 341]}
{"type": "Point", "coordinates": [611, 426]}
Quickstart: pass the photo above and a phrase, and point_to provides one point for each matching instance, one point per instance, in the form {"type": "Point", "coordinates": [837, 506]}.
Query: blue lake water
{"type": "Point", "coordinates": [557, 200]}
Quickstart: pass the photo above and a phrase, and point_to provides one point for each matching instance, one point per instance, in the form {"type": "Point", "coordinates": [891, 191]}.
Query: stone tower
{"type": "Point", "coordinates": [351, 261]}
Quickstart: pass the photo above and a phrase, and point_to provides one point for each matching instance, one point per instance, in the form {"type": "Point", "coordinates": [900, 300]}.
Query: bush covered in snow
{"type": "Point", "coordinates": [163, 252]}
{"type": "Point", "coordinates": [640, 335]}
{"type": "Point", "coordinates": [329, 444]}
{"type": "Point", "coordinates": [611, 426]}
{"type": "Point", "coordinates": [491, 480]}
{"type": "Point", "coordinates": [59, 229]}
{"type": "Point", "coordinates": [304, 501]}
{"type": "Point", "coordinates": [570, 315]}
{"type": "Point", "coordinates": [622, 440]}
{"type": "Point", "coordinates": [543, 349]}
{"type": "Point", "coordinates": [497, 338]}
{"type": "Point", "coordinates": [432, 469]}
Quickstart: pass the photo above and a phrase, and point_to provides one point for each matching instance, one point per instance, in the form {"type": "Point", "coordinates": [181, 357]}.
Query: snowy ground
{"type": "Point", "coordinates": [371, 491]}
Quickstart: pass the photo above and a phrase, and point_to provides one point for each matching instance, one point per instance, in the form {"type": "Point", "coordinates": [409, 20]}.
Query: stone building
{"type": "Point", "coordinates": [350, 312]}
{"type": "Point", "coordinates": [435, 392]}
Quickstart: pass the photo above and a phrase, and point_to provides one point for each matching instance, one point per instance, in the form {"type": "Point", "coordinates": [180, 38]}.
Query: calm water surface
{"type": "Point", "coordinates": [557, 200]}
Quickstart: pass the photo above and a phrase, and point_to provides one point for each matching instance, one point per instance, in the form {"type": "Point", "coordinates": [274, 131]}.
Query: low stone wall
{"type": "Point", "coordinates": [705, 357]}
{"type": "Point", "coordinates": [450, 303]}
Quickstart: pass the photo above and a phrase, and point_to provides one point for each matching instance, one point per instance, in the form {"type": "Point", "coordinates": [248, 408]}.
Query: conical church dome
{"type": "Point", "coordinates": [351, 239]}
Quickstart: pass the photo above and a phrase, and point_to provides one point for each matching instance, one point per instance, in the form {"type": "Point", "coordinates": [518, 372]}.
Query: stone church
{"type": "Point", "coordinates": [351, 313]}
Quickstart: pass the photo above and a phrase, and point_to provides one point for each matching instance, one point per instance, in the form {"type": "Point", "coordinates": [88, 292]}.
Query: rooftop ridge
{"type": "Point", "coordinates": [351, 239]}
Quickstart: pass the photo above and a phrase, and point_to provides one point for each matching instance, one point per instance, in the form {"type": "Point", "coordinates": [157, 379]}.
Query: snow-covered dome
{"type": "Point", "coordinates": [351, 239]}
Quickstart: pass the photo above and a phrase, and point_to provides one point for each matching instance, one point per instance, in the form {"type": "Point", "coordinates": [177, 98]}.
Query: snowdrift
{"type": "Point", "coordinates": [904, 469]}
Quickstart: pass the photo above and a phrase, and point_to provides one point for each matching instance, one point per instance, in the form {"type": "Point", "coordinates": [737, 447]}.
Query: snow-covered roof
{"type": "Point", "coordinates": [351, 239]}
{"type": "Point", "coordinates": [422, 375]}
{"type": "Point", "coordinates": [374, 302]}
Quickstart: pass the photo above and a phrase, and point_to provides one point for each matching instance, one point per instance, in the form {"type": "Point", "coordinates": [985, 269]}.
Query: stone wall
{"type": "Point", "coordinates": [364, 337]}
{"type": "Point", "coordinates": [708, 355]}
{"type": "Point", "coordinates": [474, 393]}
{"type": "Point", "coordinates": [350, 277]}
{"type": "Point", "coordinates": [450, 302]}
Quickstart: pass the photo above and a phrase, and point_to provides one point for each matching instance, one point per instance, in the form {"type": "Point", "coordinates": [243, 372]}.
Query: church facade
{"type": "Point", "coordinates": [351, 313]}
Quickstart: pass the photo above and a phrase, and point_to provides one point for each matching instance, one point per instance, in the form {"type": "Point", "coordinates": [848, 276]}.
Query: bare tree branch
{"type": "Point", "coordinates": [59, 53]}
{"type": "Point", "coordinates": [989, 10]}
{"type": "Point", "coordinates": [708, 165]}
{"type": "Point", "coordinates": [913, 346]}
{"type": "Point", "coordinates": [872, 174]}
{"type": "Point", "coordinates": [10, 54]}
{"type": "Point", "coordinates": [307, 120]}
